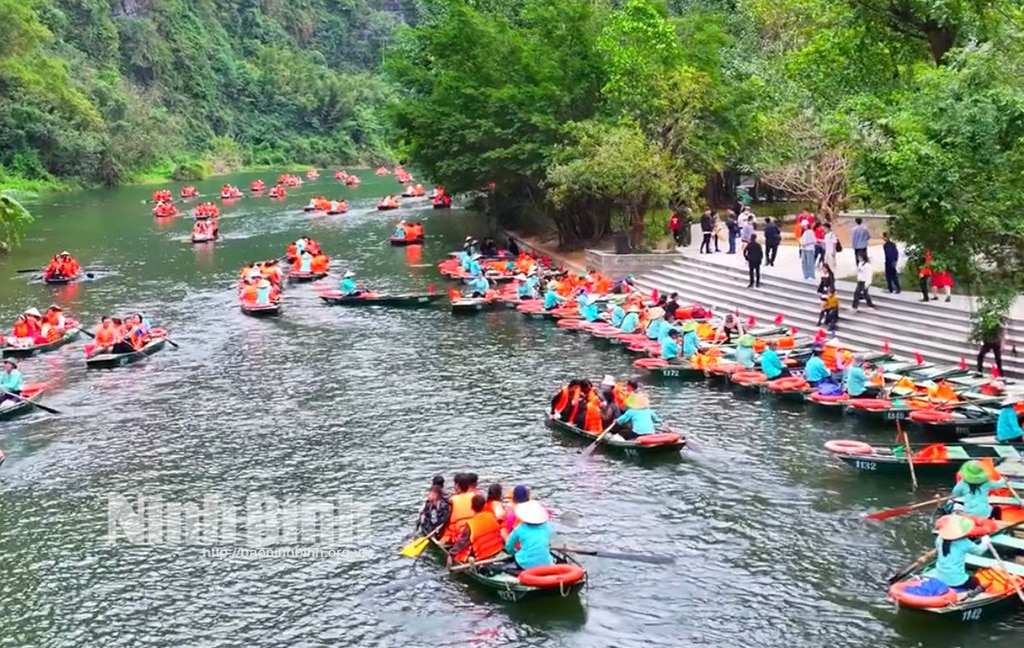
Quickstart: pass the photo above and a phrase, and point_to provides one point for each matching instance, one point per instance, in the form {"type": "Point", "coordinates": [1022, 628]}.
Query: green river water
{"type": "Point", "coordinates": [325, 402]}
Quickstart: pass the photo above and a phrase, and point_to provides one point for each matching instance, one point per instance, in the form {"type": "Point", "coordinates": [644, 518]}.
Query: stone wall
{"type": "Point", "coordinates": [618, 265]}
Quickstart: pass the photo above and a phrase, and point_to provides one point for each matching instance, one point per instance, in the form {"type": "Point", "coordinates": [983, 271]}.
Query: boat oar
{"type": "Point", "coordinates": [28, 400]}
{"type": "Point", "coordinates": [903, 510]}
{"type": "Point", "coordinates": [474, 564]}
{"type": "Point", "coordinates": [589, 450]}
{"type": "Point", "coordinates": [416, 547]}
{"type": "Point", "coordinates": [88, 332]}
{"type": "Point", "coordinates": [910, 454]}
{"type": "Point", "coordinates": [644, 558]}
{"type": "Point", "coordinates": [1009, 576]}
{"type": "Point", "coordinates": [27, 270]}
{"type": "Point", "coordinates": [171, 342]}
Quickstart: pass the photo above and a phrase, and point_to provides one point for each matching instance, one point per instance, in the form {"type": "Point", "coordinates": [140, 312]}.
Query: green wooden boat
{"type": "Point", "coordinates": [305, 277]}
{"type": "Point", "coordinates": [70, 335]}
{"type": "Point", "coordinates": [494, 577]}
{"type": "Point", "coordinates": [627, 448]}
{"type": "Point", "coordinates": [409, 300]}
{"type": "Point", "coordinates": [974, 606]}
{"type": "Point", "coordinates": [13, 409]}
{"type": "Point", "coordinates": [112, 360]}
{"type": "Point", "coordinates": [470, 305]}
{"type": "Point", "coordinates": [891, 459]}
{"type": "Point", "coordinates": [265, 310]}
{"type": "Point", "coordinates": [969, 420]}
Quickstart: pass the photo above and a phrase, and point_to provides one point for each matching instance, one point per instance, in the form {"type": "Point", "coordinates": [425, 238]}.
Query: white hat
{"type": "Point", "coordinates": [531, 512]}
{"type": "Point", "coordinates": [609, 381]}
{"type": "Point", "coordinates": [834, 342]}
{"type": "Point", "coordinates": [593, 299]}
{"type": "Point", "coordinates": [656, 313]}
{"type": "Point", "coordinates": [520, 277]}
{"type": "Point", "coordinates": [469, 238]}
{"type": "Point", "coordinates": [65, 253]}
{"type": "Point", "coordinates": [401, 222]}
{"type": "Point", "coordinates": [34, 312]}
{"type": "Point", "coordinates": [348, 274]}
{"type": "Point", "coordinates": [478, 256]}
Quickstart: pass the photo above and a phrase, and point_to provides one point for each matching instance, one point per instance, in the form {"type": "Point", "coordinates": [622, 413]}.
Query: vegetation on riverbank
{"type": "Point", "coordinates": [110, 91]}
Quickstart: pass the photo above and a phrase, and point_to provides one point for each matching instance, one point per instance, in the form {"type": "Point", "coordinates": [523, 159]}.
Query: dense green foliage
{"type": "Point", "coordinates": [101, 91]}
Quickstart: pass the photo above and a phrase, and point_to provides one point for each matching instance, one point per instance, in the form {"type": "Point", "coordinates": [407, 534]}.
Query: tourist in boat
{"type": "Point", "coordinates": [106, 336]}
{"type": "Point", "coordinates": [321, 263]}
{"type": "Point", "coordinates": [1008, 428]}
{"type": "Point", "coordinates": [488, 248]}
{"type": "Point", "coordinates": [608, 393]}
{"type": "Point", "coordinates": [631, 322]}
{"type": "Point", "coordinates": [691, 343]}
{"type": "Point", "coordinates": [730, 327]}
{"type": "Point", "coordinates": [304, 264]}
{"type": "Point", "coordinates": [815, 370]}
{"type": "Point", "coordinates": [745, 352]}
{"type": "Point", "coordinates": [461, 506]}
{"type": "Point", "coordinates": [480, 537]}
{"type": "Point", "coordinates": [560, 401]}
{"type": "Point", "coordinates": [495, 504]}
{"type": "Point", "coordinates": [973, 490]}
{"type": "Point", "coordinates": [54, 317]}
{"type": "Point", "coordinates": [529, 542]}
{"type": "Point", "coordinates": [855, 380]}
{"type": "Point", "coordinates": [640, 417]}
{"type": "Point", "coordinates": [479, 286]}
{"type": "Point", "coordinates": [512, 247]}
{"type": "Point", "coordinates": [952, 547]}
{"type": "Point", "coordinates": [771, 364]}
{"type": "Point", "coordinates": [10, 381]}
{"type": "Point", "coordinates": [436, 510]}
{"type": "Point", "coordinates": [143, 323]}
{"type": "Point", "coordinates": [670, 347]}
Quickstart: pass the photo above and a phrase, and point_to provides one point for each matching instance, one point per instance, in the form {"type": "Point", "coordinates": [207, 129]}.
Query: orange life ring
{"type": "Point", "coordinates": [982, 526]}
{"type": "Point", "coordinates": [724, 368]}
{"type": "Point", "coordinates": [749, 377]}
{"type": "Point", "coordinates": [552, 575]}
{"type": "Point", "coordinates": [844, 446]}
{"type": "Point", "coordinates": [662, 438]}
{"type": "Point", "coordinates": [898, 592]}
{"type": "Point", "coordinates": [870, 404]}
{"type": "Point", "coordinates": [790, 383]}
{"type": "Point", "coordinates": [566, 323]}
{"type": "Point", "coordinates": [931, 416]}
{"type": "Point", "coordinates": [828, 398]}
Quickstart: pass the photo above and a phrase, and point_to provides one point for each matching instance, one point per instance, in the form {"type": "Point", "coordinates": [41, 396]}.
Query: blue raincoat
{"type": "Point", "coordinates": [949, 567]}
{"type": "Point", "coordinates": [691, 345]}
{"type": "Point", "coordinates": [771, 364]}
{"type": "Point", "coordinates": [815, 371]}
{"type": "Point", "coordinates": [348, 286]}
{"type": "Point", "coordinates": [1008, 427]}
{"type": "Point", "coordinates": [630, 323]}
{"type": "Point", "coordinates": [976, 500]}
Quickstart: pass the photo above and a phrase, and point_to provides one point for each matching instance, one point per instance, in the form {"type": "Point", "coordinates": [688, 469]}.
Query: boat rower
{"type": "Point", "coordinates": [745, 352]}
{"type": "Point", "coordinates": [474, 265]}
{"type": "Point", "coordinates": [815, 370]}
{"type": "Point", "coordinates": [263, 293]}
{"type": "Point", "coordinates": [855, 380]}
{"type": "Point", "coordinates": [399, 232]}
{"type": "Point", "coordinates": [349, 287]}
{"type": "Point", "coordinates": [691, 343]}
{"type": "Point", "coordinates": [973, 489]}
{"type": "Point", "coordinates": [631, 322]}
{"type": "Point", "coordinates": [552, 299]}
{"type": "Point", "coordinates": [639, 415]}
{"type": "Point", "coordinates": [656, 323]}
{"type": "Point", "coordinates": [436, 509]}
{"type": "Point", "coordinates": [479, 286]}
{"type": "Point", "coordinates": [1008, 426]}
{"type": "Point", "coordinates": [10, 381]}
{"type": "Point", "coordinates": [771, 363]}
{"type": "Point", "coordinates": [589, 310]}
{"type": "Point", "coordinates": [305, 265]}
{"type": "Point", "coordinates": [670, 347]}
{"type": "Point", "coordinates": [524, 289]}
{"type": "Point", "coordinates": [952, 547]}
{"type": "Point", "coordinates": [529, 543]}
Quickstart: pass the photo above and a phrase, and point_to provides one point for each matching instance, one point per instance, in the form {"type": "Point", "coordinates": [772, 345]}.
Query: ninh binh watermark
{"type": "Point", "coordinates": [261, 526]}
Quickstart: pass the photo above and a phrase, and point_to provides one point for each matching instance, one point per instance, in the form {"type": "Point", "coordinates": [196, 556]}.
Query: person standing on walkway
{"type": "Point", "coordinates": [746, 229]}
{"type": "Point", "coordinates": [819, 242]}
{"type": "Point", "coordinates": [772, 240]}
{"type": "Point", "coordinates": [732, 229]}
{"type": "Point", "coordinates": [807, 245]}
{"type": "Point", "coordinates": [892, 258]}
{"type": "Point", "coordinates": [754, 255]}
{"type": "Point", "coordinates": [707, 225]}
{"type": "Point", "coordinates": [942, 282]}
{"type": "Point", "coordinates": [993, 342]}
{"type": "Point", "coordinates": [859, 239]}
{"type": "Point", "coordinates": [924, 275]}
{"type": "Point", "coordinates": [673, 226]}
{"type": "Point", "coordinates": [864, 275]}
{"type": "Point", "coordinates": [832, 248]}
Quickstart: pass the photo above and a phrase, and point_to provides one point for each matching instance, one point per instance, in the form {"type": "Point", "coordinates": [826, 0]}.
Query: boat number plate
{"type": "Point", "coordinates": [962, 429]}
{"type": "Point", "coordinates": [865, 465]}
{"type": "Point", "coordinates": [630, 452]}
{"type": "Point", "coordinates": [422, 299]}
{"type": "Point", "coordinates": [506, 595]}
{"type": "Point", "coordinates": [671, 373]}
{"type": "Point", "coordinates": [972, 615]}
{"type": "Point", "coordinates": [895, 416]}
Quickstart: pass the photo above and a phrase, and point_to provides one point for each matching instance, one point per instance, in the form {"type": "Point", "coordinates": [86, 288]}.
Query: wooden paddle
{"type": "Point", "coordinates": [589, 450]}
{"type": "Point", "coordinates": [885, 514]}
{"type": "Point", "coordinates": [88, 332]}
{"type": "Point", "coordinates": [1009, 576]}
{"type": "Point", "coordinates": [416, 547]}
{"type": "Point", "coordinates": [171, 342]}
{"type": "Point", "coordinates": [27, 270]}
{"type": "Point", "coordinates": [474, 564]}
{"type": "Point", "coordinates": [39, 405]}
{"type": "Point", "coordinates": [931, 554]}
{"type": "Point", "coordinates": [910, 453]}
{"type": "Point", "coordinates": [644, 558]}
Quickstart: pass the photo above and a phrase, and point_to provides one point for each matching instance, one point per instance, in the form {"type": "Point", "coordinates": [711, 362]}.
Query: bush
{"type": "Point", "coordinates": [192, 171]}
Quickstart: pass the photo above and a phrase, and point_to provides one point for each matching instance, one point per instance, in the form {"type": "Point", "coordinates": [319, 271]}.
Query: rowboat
{"type": "Point", "coordinates": [381, 207]}
{"type": "Point", "coordinates": [661, 445]}
{"type": "Point", "coordinates": [203, 238]}
{"type": "Point", "coordinates": [493, 576]}
{"type": "Point", "coordinates": [998, 597]}
{"type": "Point", "coordinates": [59, 280]}
{"type": "Point", "coordinates": [260, 310]}
{"type": "Point", "coordinates": [400, 242]}
{"type": "Point", "coordinates": [409, 300]}
{"type": "Point", "coordinates": [473, 304]}
{"type": "Point", "coordinates": [112, 360]}
{"type": "Point", "coordinates": [70, 335]}
{"type": "Point", "coordinates": [14, 408]}
{"type": "Point", "coordinates": [305, 277]}
{"type": "Point", "coordinates": [940, 460]}
{"type": "Point", "coordinates": [969, 420]}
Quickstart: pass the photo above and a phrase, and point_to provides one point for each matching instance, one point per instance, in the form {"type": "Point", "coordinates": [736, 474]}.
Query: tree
{"type": "Point", "coordinates": [13, 220]}
{"type": "Point", "coordinates": [615, 163]}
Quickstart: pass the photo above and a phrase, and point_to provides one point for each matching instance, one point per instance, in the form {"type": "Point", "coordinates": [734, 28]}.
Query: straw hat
{"type": "Point", "coordinates": [11, 361]}
{"type": "Point", "coordinates": [34, 312]}
{"type": "Point", "coordinates": [973, 472]}
{"type": "Point", "coordinates": [656, 313]}
{"type": "Point", "coordinates": [65, 253]}
{"type": "Point", "coordinates": [520, 277]}
{"type": "Point", "coordinates": [531, 512]}
{"type": "Point", "coordinates": [747, 341]}
{"type": "Point", "coordinates": [348, 274]}
{"type": "Point", "coordinates": [633, 309]}
{"type": "Point", "coordinates": [263, 283]}
{"type": "Point", "coordinates": [690, 325]}
{"type": "Point", "coordinates": [468, 239]}
{"type": "Point", "coordinates": [638, 401]}
{"type": "Point", "coordinates": [954, 527]}
{"type": "Point", "coordinates": [55, 307]}
{"type": "Point", "coordinates": [609, 381]}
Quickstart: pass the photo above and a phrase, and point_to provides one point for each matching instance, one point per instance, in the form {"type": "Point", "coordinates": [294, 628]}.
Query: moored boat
{"type": "Point", "coordinates": [31, 392]}
{"type": "Point", "coordinates": [111, 360]}
{"type": "Point", "coordinates": [409, 300]}
{"type": "Point", "coordinates": [663, 443]}
{"type": "Point", "coordinates": [474, 304]}
{"type": "Point", "coordinates": [70, 335]}
{"type": "Point", "coordinates": [939, 460]}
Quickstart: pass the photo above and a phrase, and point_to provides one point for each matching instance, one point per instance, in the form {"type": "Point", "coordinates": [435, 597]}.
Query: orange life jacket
{"type": "Point", "coordinates": [592, 418]}
{"type": "Point", "coordinates": [576, 398]}
{"type": "Point", "coordinates": [462, 510]}
{"type": "Point", "coordinates": [104, 336]}
{"type": "Point", "coordinates": [563, 399]}
{"type": "Point", "coordinates": [484, 537]}
{"type": "Point", "coordinates": [21, 330]}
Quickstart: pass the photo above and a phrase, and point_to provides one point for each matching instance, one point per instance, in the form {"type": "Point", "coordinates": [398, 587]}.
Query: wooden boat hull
{"type": "Point", "coordinates": [386, 207]}
{"type": "Point", "coordinates": [21, 408]}
{"type": "Point", "coordinates": [203, 239]}
{"type": "Point", "coordinates": [305, 277]}
{"type": "Point", "coordinates": [442, 206]}
{"type": "Point", "coordinates": [508, 588]}
{"type": "Point", "coordinates": [400, 242]}
{"type": "Point", "coordinates": [112, 360]}
{"type": "Point", "coordinates": [468, 306]}
{"type": "Point", "coordinates": [392, 301]}
{"type": "Point", "coordinates": [60, 281]}
{"type": "Point", "coordinates": [883, 462]}
{"type": "Point", "coordinates": [27, 352]}
{"type": "Point", "coordinates": [627, 448]}
{"type": "Point", "coordinates": [268, 310]}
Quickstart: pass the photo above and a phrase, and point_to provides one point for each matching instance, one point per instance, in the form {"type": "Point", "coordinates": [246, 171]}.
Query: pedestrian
{"type": "Point", "coordinates": [829, 315]}
{"type": "Point", "coordinates": [892, 258]}
{"type": "Point", "coordinates": [673, 226]}
{"type": "Point", "coordinates": [807, 244]}
{"type": "Point", "coordinates": [746, 229]}
{"type": "Point", "coordinates": [732, 229]}
{"type": "Point", "coordinates": [942, 282]}
{"type": "Point", "coordinates": [716, 231]}
{"type": "Point", "coordinates": [772, 240]}
{"type": "Point", "coordinates": [924, 275]}
{"type": "Point", "coordinates": [819, 242]}
{"type": "Point", "coordinates": [707, 226]}
{"type": "Point", "coordinates": [993, 342]}
{"type": "Point", "coordinates": [832, 247]}
{"type": "Point", "coordinates": [754, 255]}
{"type": "Point", "coordinates": [827, 282]}
{"type": "Point", "coordinates": [864, 275]}
{"type": "Point", "coordinates": [859, 238]}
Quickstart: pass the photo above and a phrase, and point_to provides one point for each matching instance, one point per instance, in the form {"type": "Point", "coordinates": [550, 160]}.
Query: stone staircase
{"type": "Point", "coordinates": [936, 330]}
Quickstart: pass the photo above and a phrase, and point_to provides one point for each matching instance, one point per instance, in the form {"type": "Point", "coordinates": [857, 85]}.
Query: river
{"type": "Point", "coordinates": [369, 404]}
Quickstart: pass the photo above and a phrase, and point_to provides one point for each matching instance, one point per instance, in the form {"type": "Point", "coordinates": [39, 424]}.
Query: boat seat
{"type": "Point", "coordinates": [1006, 451]}
{"type": "Point", "coordinates": [982, 561]}
{"type": "Point", "coordinates": [1010, 542]}
{"type": "Point", "coordinates": [956, 452]}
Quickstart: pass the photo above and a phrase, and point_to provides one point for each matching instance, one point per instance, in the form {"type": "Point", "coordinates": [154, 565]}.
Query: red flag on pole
{"type": "Point", "coordinates": [430, 290]}
{"type": "Point", "coordinates": [654, 295]}
{"type": "Point", "coordinates": [995, 371]}
{"type": "Point", "coordinates": [779, 318]}
{"type": "Point", "coordinates": [885, 346]}
{"type": "Point", "coordinates": [917, 357]}
{"type": "Point", "coordinates": [820, 337]}
{"type": "Point", "coordinates": [736, 312]}
{"type": "Point", "coordinates": [793, 330]}
{"type": "Point", "coordinates": [751, 321]}
{"type": "Point", "coordinates": [963, 363]}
